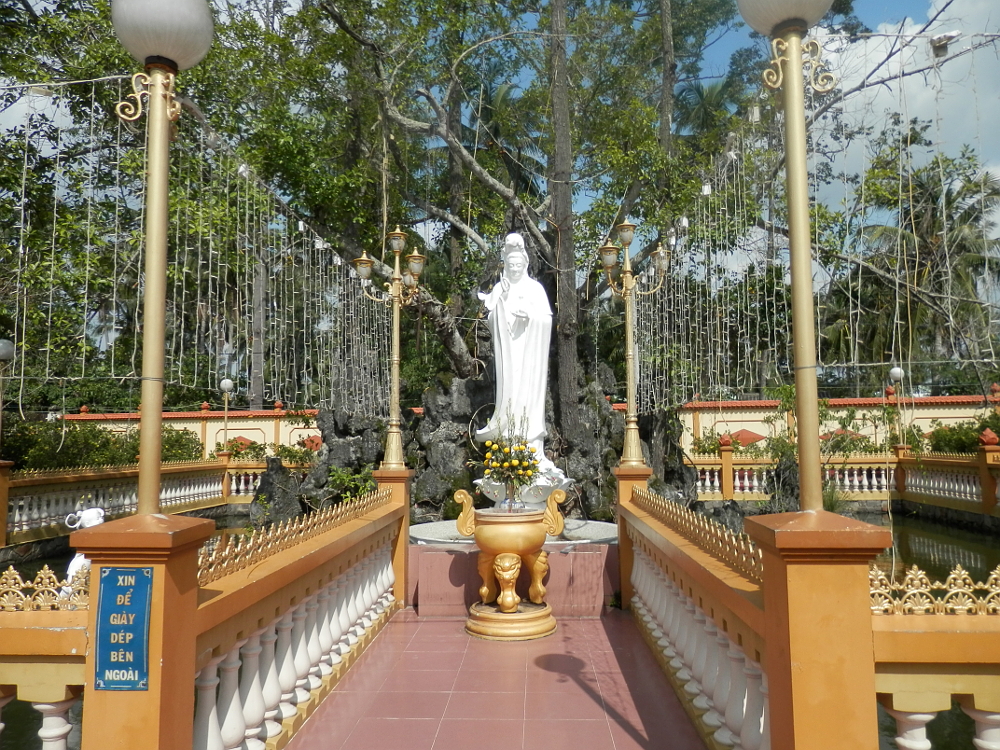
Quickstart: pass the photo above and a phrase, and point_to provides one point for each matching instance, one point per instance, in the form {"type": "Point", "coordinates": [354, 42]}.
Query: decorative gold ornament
{"type": "Point", "coordinates": [736, 550]}
{"type": "Point", "coordinates": [918, 595]}
{"type": "Point", "coordinates": [45, 592]}
{"type": "Point", "coordinates": [507, 541]}
{"type": "Point", "coordinates": [239, 552]}
{"type": "Point", "coordinates": [819, 76]}
{"type": "Point", "coordinates": [130, 109]}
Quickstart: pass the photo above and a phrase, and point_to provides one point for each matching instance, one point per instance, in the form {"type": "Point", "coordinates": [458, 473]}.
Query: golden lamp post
{"type": "Point", "coordinates": [226, 386]}
{"type": "Point", "coordinates": [7, 352]}
{"type": "Point", "coordinates": [403, 289]}
{"type": "Point", "coordinates": [627, 289]}
{"type": "Point", "coordinates": [786, 23]}
{"type": "Point", "coordinates": [166, 37]}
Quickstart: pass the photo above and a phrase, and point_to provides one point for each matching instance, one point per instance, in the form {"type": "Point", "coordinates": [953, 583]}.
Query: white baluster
{"type": "Point", "coordinates": [232, 724]}
{"type": "Point", "coordinates": [368, 593]}
{"type": "Point", "coordinates": [312, 642]}
{"type": "Point", "coordinates": [729, 733]}
{"type": "Point", "coordinates": [715, 717]}
{"type": "Point", "coordinates": [391, 570]}
{"type": "Point", "coordinates": [55, 723]}
{"type": "Point", "coordinates": [336, 629]}
{"type": "Point", "coordinates": [353, 613]}
{"type": "Point", "coordinates": [270, 686]}
{"type": "Point", "coordinates": [252, 691]}
{"type": "Point", "coordinates": [693, 686]}
{"type": "Point", "coordinates": [663, 610]}
{"type": "Point", "coordinates": [679, 633]}
{"type": "Point", "coordinates": [207, 734]}
{"type": "Point", "coordinates": [344, 614]}
{"type": "Point", "coordinates": [673, 605]}
{"type": "Point", "coordinates": [300, 649]}
{"type": "Point", "coordinates": [987, 728]}
{"type": "Point", "coordinates": [284, 655]}
{"type": "Point", "coordinates": [323, 628]}
{"type": "Point", "coordinates": [690, 641]}
{"type": "Point", "coordinates": [753, 713]}
{"type": "Point", "coordinates": [636, 580]}
{"type": "Point", "coordinates": [911, 729]}
{"type": "Point", "coordinates": [710, 669]}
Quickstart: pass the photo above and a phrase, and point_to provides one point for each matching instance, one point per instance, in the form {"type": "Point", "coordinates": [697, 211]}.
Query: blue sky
{"type": "Point", "coordinates": [873, 13]}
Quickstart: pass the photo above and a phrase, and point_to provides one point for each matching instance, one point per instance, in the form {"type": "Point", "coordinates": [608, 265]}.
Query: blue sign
{"type": "Point", "coordinates": [123, 603]}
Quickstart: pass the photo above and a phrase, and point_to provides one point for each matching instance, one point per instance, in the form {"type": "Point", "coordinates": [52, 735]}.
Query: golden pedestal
{"type": "Point", "coordinates": [506, 541]}
{"type": "Point", "coordinates": [529, 621]}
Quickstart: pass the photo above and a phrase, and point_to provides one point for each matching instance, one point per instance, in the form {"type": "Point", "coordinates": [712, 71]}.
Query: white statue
{"type": "Point", "coordinates": [520, 319]}
{"type": "Point", "coordinates": [521, 324]}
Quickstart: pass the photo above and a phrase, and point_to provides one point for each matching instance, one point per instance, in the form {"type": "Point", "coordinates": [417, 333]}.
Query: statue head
{"type": "Point", "coordinates": [515, 257]}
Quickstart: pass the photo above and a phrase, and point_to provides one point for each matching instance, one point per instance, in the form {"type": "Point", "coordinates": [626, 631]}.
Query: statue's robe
{"type": "Point", "coordinates": [521, 354]}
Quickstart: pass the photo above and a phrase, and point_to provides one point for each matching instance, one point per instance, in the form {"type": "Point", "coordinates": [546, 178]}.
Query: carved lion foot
{"type": "Point", "coordinates": [506, 567]}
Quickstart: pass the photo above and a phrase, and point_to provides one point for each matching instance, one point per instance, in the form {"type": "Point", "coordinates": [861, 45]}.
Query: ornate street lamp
{"type": "Point", "coordinates": [402, 290]}
{"type": "Point", "coordinates": [786, 22]}
{"type": "Point", "coordinates": [627, 289]}
{"type": "Point", "coordinates": [226, 386]}
{"type": "Point", "coordinates": [165, 37]}
{"type": "Point", "coordinates": [7, 352]}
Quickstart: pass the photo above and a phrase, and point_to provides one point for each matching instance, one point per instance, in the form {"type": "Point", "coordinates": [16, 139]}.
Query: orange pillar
{"type": "Point", "coordinates": [4, 499]}
{"type": "Point", "coordinates": [989, 458]}
{"type": "Point", "coordinates": [162, 550]}
{"type": "Point", "coordinates": [628, 478]}
{"type": "Point", "coordinates": [398, 481]}
{"type": "Point", "coordinates": [726, 455]}
{"type": "Point", "coordinates": [818, 630]}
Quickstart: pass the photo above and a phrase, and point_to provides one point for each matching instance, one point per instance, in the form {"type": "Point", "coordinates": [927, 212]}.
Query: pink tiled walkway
{"type": "Point", "coordinates": [427, 685]}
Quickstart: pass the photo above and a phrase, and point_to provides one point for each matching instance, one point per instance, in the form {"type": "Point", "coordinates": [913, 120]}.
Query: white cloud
{"type": "Point", "coordinates": [959, 94]}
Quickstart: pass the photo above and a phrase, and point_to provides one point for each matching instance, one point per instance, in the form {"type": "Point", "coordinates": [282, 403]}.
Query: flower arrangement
{"type": "Point", "coordinates": [510, 461]}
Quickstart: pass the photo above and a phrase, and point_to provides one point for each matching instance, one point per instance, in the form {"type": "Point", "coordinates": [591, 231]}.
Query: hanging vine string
{"type": "Point", "coordinates": [254, 293]}
{"type": "Point", "coordinates": [906, 257]}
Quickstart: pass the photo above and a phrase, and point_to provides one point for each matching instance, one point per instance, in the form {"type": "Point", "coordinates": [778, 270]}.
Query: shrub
{"type": "Point", "coordinates": [67, 445]}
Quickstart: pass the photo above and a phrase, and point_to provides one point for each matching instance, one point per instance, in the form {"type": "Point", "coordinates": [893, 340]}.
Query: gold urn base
{"type": "Point", "coordinates": [530, 621]}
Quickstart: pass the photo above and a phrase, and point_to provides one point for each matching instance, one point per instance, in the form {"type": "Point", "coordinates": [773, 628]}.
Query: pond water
{"type": "Point", "coordinates": [932, 547]}
{"type": "Point", "coordinates": [935, 549]}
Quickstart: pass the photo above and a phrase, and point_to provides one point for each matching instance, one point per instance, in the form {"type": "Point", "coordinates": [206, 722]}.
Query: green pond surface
{"type": "Point", "coordinates": [934, 548]}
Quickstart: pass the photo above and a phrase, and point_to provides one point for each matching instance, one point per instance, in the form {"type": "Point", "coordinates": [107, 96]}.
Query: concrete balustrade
{"type": "Point", "coordinates": [742, 651]}
{"type": "Point", "coordinates": [37, 502]}
{"type": "Point", "coordinates": [711, 665]}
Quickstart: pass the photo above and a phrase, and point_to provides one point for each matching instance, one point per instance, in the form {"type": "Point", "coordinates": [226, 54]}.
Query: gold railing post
{"type": "Point", "coordinates": [162, 111]}
{"type": "Point", "coordinates": [226, 458]}
{"type": "Point", "coordinates": [628, 477]}
{"type": "Point", "coordinates": [800, 252]}
{"type": "Point", "coordinates": [398, 481]}
{"type": "Point", "coordinates": [901, 451]}
{"type": "Point", "coordinates": [820, 682]}
{"type": "Point", "coordinates": [4, 499]}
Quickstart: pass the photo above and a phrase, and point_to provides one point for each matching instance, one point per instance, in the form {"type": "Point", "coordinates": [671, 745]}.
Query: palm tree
{"type": "Point", "coordinates": [924, 275]}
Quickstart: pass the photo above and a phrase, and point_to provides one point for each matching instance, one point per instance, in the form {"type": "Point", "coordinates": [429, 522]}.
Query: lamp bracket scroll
{"type": "Point", "coordinates": [820, 78]}
{"type": "Point", "coordinates": [130, 108]}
